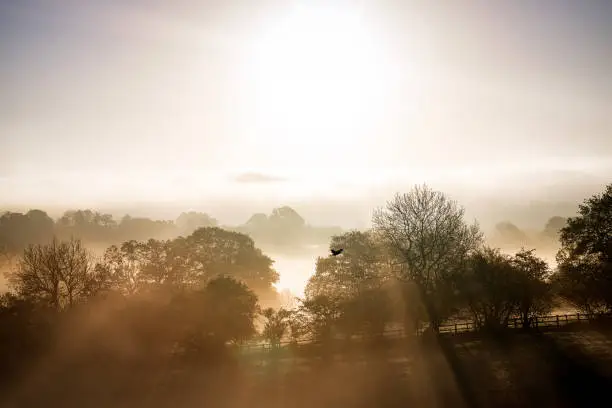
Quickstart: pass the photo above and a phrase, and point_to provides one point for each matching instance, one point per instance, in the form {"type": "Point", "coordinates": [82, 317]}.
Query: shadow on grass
{"type": "Point", "coordinates": [577, 376]}
{"type": "Point", "coordinates": [460, 377]}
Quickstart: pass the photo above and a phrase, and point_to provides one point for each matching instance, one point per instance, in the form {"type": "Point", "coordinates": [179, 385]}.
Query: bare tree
{"type": "Point", "coordinates": [60, 274]}
{"type": "Point", "coordinates": [429, 239]}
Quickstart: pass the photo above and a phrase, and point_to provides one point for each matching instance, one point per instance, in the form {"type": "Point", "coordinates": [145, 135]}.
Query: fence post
{"type": "Point", "coordinates": [566, 319]}
{"type": "Point", "coordinates": [455, 328]}
{"type": "Point", "coordinates": [578, 315]}
{"type": "Point", "coordinates": [557, 320]}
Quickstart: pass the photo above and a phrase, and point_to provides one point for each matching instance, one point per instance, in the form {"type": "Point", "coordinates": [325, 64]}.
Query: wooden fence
{"type": "Point", "coordinates": [538, 322]}
{"type": "Point", "coordinates": [547, 322]}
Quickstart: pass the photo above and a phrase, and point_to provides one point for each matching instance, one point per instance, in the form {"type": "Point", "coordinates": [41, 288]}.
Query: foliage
{"type": "Point", "coordinates": [534, 292]}
{"type": "Point", "coordinates": [17, 230]}
{"type": "Point", "coordinates": [585, 258]}
{"type": "Point", "coordinates": [489, 287]}
{"type": "Point", "coordinates": [189, 262]}
{"type": "Point", "coordinates": [320, 315]}
{"type": "Point", "coordinates": [198, 294]}
{"type": "Point", "coordinates": [276, 325]}
{"type": "Point", "coordinates": [366, 313]}
{"type": "Point", "coordinates": [221, 313]}
{"type": "Point", "coordinates": [497, 287]}
{"type": "Point", "coordinates": [362, 266]}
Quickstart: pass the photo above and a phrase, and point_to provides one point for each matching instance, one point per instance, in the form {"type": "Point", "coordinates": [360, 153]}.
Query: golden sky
{"type": "Point", "coordinates": [155, 100]}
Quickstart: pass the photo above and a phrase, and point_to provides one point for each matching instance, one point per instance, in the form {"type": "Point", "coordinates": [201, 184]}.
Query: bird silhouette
{"type": "Point", "coordinates": [336, 252]}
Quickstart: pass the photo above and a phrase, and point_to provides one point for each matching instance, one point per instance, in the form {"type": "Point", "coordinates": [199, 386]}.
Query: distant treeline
{"type": "Point", "coordinates": [283, 227]}
{"type": "Point", "coordinates": [507, 235]}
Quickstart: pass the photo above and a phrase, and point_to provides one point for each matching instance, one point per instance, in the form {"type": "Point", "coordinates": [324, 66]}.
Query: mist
{"type": "Point", "coordinates": [305, 203]}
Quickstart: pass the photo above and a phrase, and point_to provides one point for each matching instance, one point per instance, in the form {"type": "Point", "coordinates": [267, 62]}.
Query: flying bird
{"type": "Point", "coordinates": [336, 252]}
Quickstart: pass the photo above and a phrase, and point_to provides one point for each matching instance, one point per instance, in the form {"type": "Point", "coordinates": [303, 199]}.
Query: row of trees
{"type": "Point", "coordinates": [18, 230]}
{"type": "Point", "coordinates": [193, 294]}
{"type": "Point", "coordinates": [508, 235]}
{"type": "Point", "coordinates": [423, 263]}
{"type": "Point", "coordinates": [284, 226]}
{"type": "Point", "coordinates": [63, 273]}
{"type": "Point", "coordinates": [420, 263]}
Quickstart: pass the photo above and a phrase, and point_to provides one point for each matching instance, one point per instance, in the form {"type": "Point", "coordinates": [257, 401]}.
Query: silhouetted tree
{"type": "Point", "coordinates": [25, 333]}
{"type": "Point", "coordinates": [356, 281]}
{"type": "Point", "coordinates": [320, 315]}
{"type": "Point", "coordinates": [427, 235]}
{"type": "Point", "coordinates": [534, 291]}
{"type": "Point", "coordinates": [165, 265]}
{"type": "Point", "coordinates": [188, 263]}
{"type": "Point", "coordinates": [585, 258]}
{"type": "Point", "coordinates": [188, 222]}
{"type": "Point", "coordinates": [221, 313]}
{"type": "Point", "coordinates": [284, 227]}
{"type": "Point", "coordinates": [124, 264]}
{"type": "Point", "coordinates": [213, 251]}
{"type": "Point", "coordinates": [142, 229]}
{"type": "Point", "coordinates": [86, 225]}
{"type": "Point", "coordinates": [275, 325]}
{"type": "Point", "coordinates": [17, 230]}
{"type": "Point", "coordinates": [490, 287]}
{"type": "Point", "coordinates": [508, 234]}
{"type": "Point", "coordinates": [362, 266]}
{"type": "Point", "coordinates": [553, 227]}
{"type": "Point", "coordinates": [366, 312]}
{"type": "Point", "coordinates": [58, 274]}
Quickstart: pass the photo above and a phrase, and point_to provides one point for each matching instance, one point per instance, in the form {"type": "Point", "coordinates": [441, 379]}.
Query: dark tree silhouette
{"type": "Point", "coordinates": [534, 290]}
{"type": "Point", "coordinates": [364, 267]}
{"type": "Point", "coordinates": [18, 230]}
{"type": "Point", "coordinates": [426, 234]}
{"type": "Point", "coordinates": [585, 258]}
{"type": "Point", "coordinates": [221, 313]}
{"type": "Point", "coordinates": [553, 227]}
{"type": "Point", "coordinates": [59, 274]}
{"type": "Point", "coordinates": [275, 325]}
{"type": "Point", "coordinates": [490, 288]}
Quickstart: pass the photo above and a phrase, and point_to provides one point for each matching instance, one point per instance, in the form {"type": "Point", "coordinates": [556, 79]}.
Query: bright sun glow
{"type": "Point", "coordinates": [318, 78]}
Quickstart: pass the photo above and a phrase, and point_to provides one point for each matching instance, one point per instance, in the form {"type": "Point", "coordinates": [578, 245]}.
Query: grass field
{"type": "Point", "coordinates": [552, 369]}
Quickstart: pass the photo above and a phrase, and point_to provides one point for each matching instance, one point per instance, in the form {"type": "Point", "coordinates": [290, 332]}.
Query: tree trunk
{"type": "Point", "coordinates": [56, 301]}
{"type": "Point", "coordinates": [525, 317]}
{"type": "Point", "coordinates": [434, 320]}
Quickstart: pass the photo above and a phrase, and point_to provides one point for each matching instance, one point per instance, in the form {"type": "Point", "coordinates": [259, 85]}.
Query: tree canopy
{"type": "Point", "coordinates": [585, 257]}
{"type": "Point", "coordinates": [429, 239]}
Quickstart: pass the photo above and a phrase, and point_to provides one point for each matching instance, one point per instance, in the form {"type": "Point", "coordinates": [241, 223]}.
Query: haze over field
{"type": "Point", "coordinates": [232, 108]}
{"type": "Point", "coordinates": [174, 174]}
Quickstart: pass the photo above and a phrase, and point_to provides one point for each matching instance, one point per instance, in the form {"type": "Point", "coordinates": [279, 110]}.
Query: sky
{"type": "Point", "coordinates": [113, 102]}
